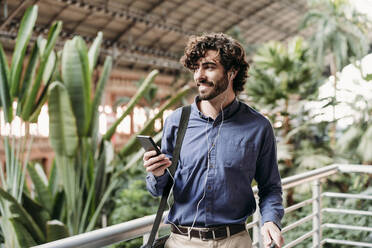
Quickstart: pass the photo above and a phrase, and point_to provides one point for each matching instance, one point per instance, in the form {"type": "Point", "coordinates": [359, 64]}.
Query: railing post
{"type": "Point", "coordinates": [145, 238]}
{"type": "Point", "coordinates": [317, 210]}
{"type": "Point", "coordinates": [256, 228]}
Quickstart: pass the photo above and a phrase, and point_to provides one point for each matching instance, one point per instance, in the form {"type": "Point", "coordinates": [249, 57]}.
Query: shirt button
{"type": "Point", "coordinates": [209, 188]}
{"type": "Point", "coordinates": [208, 209]}
{"type": "Point", "coordinates": [211, 166]}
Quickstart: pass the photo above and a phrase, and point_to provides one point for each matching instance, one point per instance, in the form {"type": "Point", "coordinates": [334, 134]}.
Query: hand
{"type": "Point", "coordinates": [156, 164]}
{"type": "Point", "coordinates": [270, 231]}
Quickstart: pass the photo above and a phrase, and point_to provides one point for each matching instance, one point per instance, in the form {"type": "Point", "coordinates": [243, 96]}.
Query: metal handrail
{"type": "Point", "coordinates": [142, 226]}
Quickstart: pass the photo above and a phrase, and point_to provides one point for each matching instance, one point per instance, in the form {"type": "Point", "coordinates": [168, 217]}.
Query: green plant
{"type": "Point", "coordinates": [354, 143]}
{"type": "Point", "coordinates": [341, 32]}
{"type": "Point", "coordinates": [26, 85]}
{"type": "Point", "coordinates": [280, 78]}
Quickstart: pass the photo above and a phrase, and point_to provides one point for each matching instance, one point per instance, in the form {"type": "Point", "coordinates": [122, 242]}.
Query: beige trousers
{"type": "Point", "coordinates": [239, 240]}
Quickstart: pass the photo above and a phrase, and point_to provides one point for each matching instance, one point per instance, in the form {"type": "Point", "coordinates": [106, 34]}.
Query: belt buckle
{"type": "Point", "coordinates": [204, 238]}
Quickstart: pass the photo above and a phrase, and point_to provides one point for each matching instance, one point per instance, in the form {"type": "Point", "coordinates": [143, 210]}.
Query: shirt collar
{"type": "Point", "coordinates": [228, 111]}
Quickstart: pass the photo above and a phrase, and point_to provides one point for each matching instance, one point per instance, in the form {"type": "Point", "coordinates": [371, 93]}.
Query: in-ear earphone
{"type": "Point", "coordinates": [232, 74]}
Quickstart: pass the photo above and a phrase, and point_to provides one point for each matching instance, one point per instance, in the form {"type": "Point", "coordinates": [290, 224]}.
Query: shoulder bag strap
{"type": "Point", "coordinates": [172, 169]}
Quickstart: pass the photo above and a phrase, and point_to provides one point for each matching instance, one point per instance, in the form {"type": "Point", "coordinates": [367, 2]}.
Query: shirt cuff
{"type": "Point", "coordinates": [156, 184]}
{"type": "Point", "coordinates": [272, 218]}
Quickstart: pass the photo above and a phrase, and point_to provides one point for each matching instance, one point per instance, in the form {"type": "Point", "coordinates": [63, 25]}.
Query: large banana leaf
{"type": "Point", "coordinates": [145, 85]}
{"type": "Point", "coordinates": [87, 80]}
{"type": "Point", "coordinates": [29, 106]}
{"type": "Point", "coordinates": [62, 124]}
{"type": "Point", "coordinates": [99, 92]}
{"type": "Point", "coordinates": [56, 230]}
{"type": "Point", "coordinates": [3, 58]}
{"type": "Point", "coordinates": [40, 181]}
{"type": "Point", "coordinates": [21, 234]}
{"type": "Point", "coordinates": [24, 35]}
{"type": "Point", "coordinates": [53, 179]}
{"type": "Point", "coordinates": [132, 145]}
{"type": "Point", "coordinates": [38, 212]}
{"type": "Point", "coordinates": [73, 78]}
{"type": "Point", "coordinates": [26, 220]}
{"type": "Point", "coordinates": [4, 87]}
{"type": "Point", "coordinates": [28, 77]}
{"type": "Point", "coordinates": [94, 51]}
{"type": "Point", "coordinates": [49, 69]}
{"type": "Point", "coordinates": [365, 146]}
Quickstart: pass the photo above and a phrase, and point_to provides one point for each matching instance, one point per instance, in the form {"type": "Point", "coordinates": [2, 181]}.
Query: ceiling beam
{"type": "Point", "coordinates": [56, 16]}
{"type": "Point", "coordinates": [212, 4]}
{"type": "Point", "coordinates": [104, 26]}
{"type": "Point", "coordinates": [170, 44]}
{"type": "Point", "coordinates": [78, 23]}
{"type": "Point", "coordinates": [252, 12]}
{"type": "Point", "coordinates": [127, 15]}
{"type": "Point", "coordinates": [133, 23]}
{"type": "Point", "coordinates": [14, 13]}
{"type": "Point", "coordinates": [178, 5]}
{"type": "Point", "coordinates": [120, 54]}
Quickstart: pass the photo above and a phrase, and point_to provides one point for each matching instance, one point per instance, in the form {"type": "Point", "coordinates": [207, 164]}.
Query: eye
{"type": "Point", "coordinates": [209, 67]}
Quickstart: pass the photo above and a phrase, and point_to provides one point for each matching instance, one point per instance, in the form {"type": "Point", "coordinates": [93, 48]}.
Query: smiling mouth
{"type": "Point", "coordinates": [205, 84]}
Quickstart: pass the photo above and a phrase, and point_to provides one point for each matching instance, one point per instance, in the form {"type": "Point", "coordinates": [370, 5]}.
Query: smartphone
{"type": "Point", "coordinates": [148, 143]}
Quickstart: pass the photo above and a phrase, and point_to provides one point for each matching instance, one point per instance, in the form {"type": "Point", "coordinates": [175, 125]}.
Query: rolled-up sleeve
{"type": "Point", "coordinates": [268, 180]}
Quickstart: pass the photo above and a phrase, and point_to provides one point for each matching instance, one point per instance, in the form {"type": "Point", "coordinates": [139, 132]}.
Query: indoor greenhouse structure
{"type": "Point", "coordinates": [80, 79]}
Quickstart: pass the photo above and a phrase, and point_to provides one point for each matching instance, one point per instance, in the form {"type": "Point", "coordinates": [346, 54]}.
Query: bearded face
{"type": "Point", "coordinates": [210, 76]}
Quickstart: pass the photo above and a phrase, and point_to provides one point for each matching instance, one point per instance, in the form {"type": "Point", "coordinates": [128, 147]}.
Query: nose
{"type": "Point", "coordinates": [199, 75]}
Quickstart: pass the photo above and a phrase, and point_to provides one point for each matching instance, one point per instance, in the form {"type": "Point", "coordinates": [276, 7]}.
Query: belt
{"type": "Point", "coordinates": [213, 233]}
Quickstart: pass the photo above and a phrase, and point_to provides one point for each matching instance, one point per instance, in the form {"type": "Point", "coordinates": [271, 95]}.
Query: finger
{"type": "Point", "coordinates": [154, 166]}
{"type": "Point", "coordinates": [156, 159]}
{"type": "Point", "coordinates": [160, 169]}
{"type": "Point", "coordinates": [266, 237]}
{"type": "Point", "coordinates": [148, 155]}
{"type": "Point", "coordinates": [281, 241]}
{"type": "Point", "coordinates": [276, 235]}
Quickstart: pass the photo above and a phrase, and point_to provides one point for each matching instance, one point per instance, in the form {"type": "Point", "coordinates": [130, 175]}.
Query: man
{"type": "Point", "coordinates": [226, 145]}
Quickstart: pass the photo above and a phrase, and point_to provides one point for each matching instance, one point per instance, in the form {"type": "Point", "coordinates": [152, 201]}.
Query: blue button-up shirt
{"type": "Point", "coordinates": [245, 149]}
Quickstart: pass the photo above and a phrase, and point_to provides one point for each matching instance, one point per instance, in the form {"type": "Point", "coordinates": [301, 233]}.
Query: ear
{"type": "Point", "coordinates": [232, 74]}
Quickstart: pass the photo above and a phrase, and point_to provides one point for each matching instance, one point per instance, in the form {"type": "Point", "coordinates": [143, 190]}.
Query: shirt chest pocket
{"type": "Point", "coordinates": [239, 154]}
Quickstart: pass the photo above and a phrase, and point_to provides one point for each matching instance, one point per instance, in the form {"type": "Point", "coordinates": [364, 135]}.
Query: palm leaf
{"type": "Point", "coordinates": [87, 80]}
{"type": "Point", "coordinates": [40, 181]}
{"type": "Point", "coordinates": [56, 230]}
{"type": "Point", "coordinates": [30, 101]}
{"type": "Point", "coordinates": [132, 145]}
{"type": "Point", "coordinates": [63, 131]}
{"type": "Point", "coordinates": [94, 51]}
{"type": "Point", "coordinates": [99, 91]}
{"type": "Point", "coordinates": [16, 209]}
{"type": "Point", "coordinates": [5, 97]}
{"type": "Point", "coordinates": [23, 237]}
{"type": "Point", "coordinates": [365, 146]}
{"type": "Point", "coordinates": [73, 79]}
{"type": "Point", "coordinates": [24, 34]}
{"type": "Point", "coordinates": [29, 74]}
{"type": "Point", "coordinates": [39, 214]}
{"type": "Point", "coordinates": [147, 82]}
{"type": "Point", "coordinates": [350, 139]}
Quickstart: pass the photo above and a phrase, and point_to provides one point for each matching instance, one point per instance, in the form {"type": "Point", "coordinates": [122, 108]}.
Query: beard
{"type": "Point", "coordinates": [216, 88]}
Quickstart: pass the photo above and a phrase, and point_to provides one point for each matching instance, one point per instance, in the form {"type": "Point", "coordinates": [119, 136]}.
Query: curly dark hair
{"type": "Point", "coordinates": [232, 55]}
